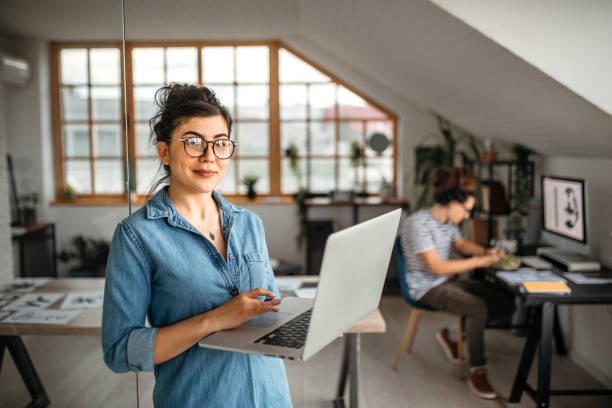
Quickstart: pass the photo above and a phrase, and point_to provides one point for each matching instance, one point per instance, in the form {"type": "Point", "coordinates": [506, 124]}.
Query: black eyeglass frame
{"type": "Point", "coordinates": [184, 140]}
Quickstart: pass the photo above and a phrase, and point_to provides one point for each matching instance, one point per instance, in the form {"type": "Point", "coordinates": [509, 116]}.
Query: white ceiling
{"type": "Point", "coordinates": [412, 47]}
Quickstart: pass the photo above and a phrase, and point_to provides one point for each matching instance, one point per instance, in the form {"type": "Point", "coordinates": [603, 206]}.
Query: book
{"type": "Point", "coordinates": [560, 288]}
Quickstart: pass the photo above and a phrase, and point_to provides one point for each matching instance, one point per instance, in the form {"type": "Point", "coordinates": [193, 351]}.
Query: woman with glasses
{"type": "Point", "coordinates": [191, 264]}
{"type": "Point", "coordinates": [427, 237]}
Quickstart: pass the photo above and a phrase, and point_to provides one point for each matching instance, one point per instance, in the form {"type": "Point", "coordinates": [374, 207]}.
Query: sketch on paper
{"type": "Point", "coordinates": [3, 314]}
{"type": "Point", "coordinates": [6, 298]}
{"type": "Point", "coordinates": [42, 317]}
{"type": "Point", "coordinates": [24, 285]}
{"type": "Point", "coordinates": [83, 300]}
{"type": "Point", "coordinates": [35, 301]}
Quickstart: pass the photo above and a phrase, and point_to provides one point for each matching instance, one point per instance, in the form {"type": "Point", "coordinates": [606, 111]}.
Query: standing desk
{"type": "Point", "coordinates": [541, 332]}
{"type": "Point", "coordinates": [89, 322]}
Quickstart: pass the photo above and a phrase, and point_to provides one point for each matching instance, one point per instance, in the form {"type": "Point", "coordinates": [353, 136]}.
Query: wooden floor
{"type": "Point", "coordinates": [74, 375]}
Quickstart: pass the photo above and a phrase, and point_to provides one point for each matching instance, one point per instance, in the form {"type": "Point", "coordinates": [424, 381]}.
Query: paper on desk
{"type": "Point", "coordinates": [588, 280]}
{"type": "Point", "coordinates": [288, 284]}
{"type": "Point", "coordinates": [306, 292]}
{"type": "Point", "coordinates": [4, 314]}
{"type": "Point", "coordinates": [83, 300]}
{"type": "Point", "coordinates": [42, 317]}
{"type": "Point", "coordinates": [6, 298]}
{"type": "Point", "coordinates": [34, 301]}
{"type": "Point", "coordinates": [528, 275]}
{"type": "Point", "coordinates": [23, 285]}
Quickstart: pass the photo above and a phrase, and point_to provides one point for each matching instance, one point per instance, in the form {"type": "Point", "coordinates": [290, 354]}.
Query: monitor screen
{"type": "Point", "coordinates": [563, 207]}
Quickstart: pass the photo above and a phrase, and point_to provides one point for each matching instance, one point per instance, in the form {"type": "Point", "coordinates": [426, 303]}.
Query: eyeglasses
{"type": "Point", "coordinates": [197, 147]}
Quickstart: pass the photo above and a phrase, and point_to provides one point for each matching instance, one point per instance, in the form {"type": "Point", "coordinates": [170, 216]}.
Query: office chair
{"type": "Point", "coordinates": [415, 315]}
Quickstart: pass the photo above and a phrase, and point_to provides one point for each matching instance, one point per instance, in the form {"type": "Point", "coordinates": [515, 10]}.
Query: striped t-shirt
{"type": "Point", "coordinates": [422, 232]}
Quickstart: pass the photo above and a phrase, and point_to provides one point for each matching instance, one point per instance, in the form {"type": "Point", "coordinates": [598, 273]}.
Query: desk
{"type": "Point", "coordinates": [541, 332]}
{"type": "Point", "coordinates": [89, 322]}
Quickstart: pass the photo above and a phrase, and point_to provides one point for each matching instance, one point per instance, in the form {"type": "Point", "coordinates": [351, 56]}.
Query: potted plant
{"type": "Point", "coordinates": [68, 193]}
{"type": "Point", "coordinates": [522, 191]}
{"type": "Point", "coordinates": [92, 255]}
{"type": "Point", "coordinates": [293, 154]}
{"type": "Point", "coordinates": [443, 154]}
{"type": "Point", "coordinates": [249, 181]}
{"type": "Point", "coordinates": [27, 210]}
{"type": "Point", "coordinates": [356, 159]}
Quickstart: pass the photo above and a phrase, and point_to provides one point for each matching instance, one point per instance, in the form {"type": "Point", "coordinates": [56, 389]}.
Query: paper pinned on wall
{"type": "Point", "coordinates": [24, 285]}
{"type": "Point", "coordinates": [83, 300]}
{"type": "Point", "coordinates": [34, 301]}
{"type": "Point", "coordinates": [42, 317]}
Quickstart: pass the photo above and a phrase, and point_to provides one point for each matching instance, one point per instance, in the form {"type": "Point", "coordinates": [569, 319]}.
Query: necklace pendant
{"type": "Point", "coordinates": [212, 236]}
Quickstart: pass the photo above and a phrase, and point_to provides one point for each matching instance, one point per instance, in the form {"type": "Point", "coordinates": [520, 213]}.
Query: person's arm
{"type": "Point", "coordinates": [455, 266]}
{"type": "Point", "coordinates": [468, 247]}
{"type": "Point", "coordinates": [174, 339]}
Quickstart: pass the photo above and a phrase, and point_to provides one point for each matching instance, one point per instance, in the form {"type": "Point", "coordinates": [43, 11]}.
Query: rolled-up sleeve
{"type": "Point", "coordinates": [126, 343]}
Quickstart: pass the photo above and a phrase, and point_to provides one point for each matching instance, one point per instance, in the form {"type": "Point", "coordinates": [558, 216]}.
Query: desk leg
{"type": "Point", "coordinates": [545, 355]}
{"type": "Point", "coordinates": [559, 341]}
{"type": "Point", "coordinates": [339, 401]}
{"type": "Point", "coordinates": [520, 380]}
{"type": "Point", "coordinates": [355, 351]}
{"type": "Point", "coordinates": [349, 371]}
{"type": "Point", "coordinates": [26, 369]}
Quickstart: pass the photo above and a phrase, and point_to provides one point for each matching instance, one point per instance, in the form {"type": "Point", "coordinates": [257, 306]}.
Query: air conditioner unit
{"type": "Point", "coordinates": [14, 71]}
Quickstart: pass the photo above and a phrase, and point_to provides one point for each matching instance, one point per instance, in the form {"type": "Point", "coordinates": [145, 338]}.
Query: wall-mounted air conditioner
{"type": "Point", "coordinates": [14, 71]}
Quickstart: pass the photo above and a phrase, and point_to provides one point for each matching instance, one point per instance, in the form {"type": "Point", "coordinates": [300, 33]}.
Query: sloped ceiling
{"type": "Point", "coordinates": [412, 47]}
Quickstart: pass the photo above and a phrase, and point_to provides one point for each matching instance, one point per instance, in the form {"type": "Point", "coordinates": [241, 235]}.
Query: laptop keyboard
{"type": "Point", "coordinates": [291, 334]}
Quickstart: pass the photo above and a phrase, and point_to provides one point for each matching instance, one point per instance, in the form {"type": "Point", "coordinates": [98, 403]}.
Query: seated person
{"type": "Point", "coordinates": [427, 237]}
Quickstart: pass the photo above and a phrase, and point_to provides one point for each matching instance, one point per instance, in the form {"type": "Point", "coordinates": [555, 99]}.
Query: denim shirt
{"type": "Point", "coordinates": [161, 268]}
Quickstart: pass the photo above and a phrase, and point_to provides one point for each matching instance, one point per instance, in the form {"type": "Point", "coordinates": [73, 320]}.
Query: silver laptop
{"type": "Point", "coordinates": [351, 280]}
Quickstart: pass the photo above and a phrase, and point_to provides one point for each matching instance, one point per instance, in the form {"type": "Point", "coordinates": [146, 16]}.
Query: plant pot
{"type": "Point", "coordinates": [28, 216]}
{"type": "Point", "coordinates": [251, 194]}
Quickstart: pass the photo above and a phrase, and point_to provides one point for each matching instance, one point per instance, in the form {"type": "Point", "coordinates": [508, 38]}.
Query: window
{"type": "Point", "coordinates": [276, 98]}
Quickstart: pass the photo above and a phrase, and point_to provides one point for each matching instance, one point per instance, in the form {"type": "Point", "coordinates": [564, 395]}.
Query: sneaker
{"type": "Point", "coordinates": [479, 384]}
{"type": "Point", "coordinates": [449, 346]}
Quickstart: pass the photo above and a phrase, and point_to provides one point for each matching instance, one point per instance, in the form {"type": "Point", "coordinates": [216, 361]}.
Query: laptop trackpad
{"type": "Point", "coordinates": [266, 319]}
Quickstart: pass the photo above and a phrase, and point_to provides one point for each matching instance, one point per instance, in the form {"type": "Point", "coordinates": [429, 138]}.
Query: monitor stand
{"type": "Point", "coordinates": [570, 261]}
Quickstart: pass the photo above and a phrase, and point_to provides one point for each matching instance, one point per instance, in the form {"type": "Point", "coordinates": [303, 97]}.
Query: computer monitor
{"type": "Point", "coordinates": [564, 212]}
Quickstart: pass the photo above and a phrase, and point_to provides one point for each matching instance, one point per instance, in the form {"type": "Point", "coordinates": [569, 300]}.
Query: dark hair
{"type": "Point", "coordinates": [176, 103]}
{"type": "Point", "coordinates": [453, 184]}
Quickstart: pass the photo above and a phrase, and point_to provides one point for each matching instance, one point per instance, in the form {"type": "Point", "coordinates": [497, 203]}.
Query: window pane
{"type": "Point", "coordinates": [73, 64]}
{"type": "Point", "coordinates": [78, 175]}
{"type": "Point", "coordinates": [253, 102]}
{"type": "Point", "coordinates": [106, 103]}
{"type": "Point", "coordinates": [349, 131]}
{"type": "Point", "coordinates": [144, 145]}
{"type": "Point", "coordinates": [147, 171]}
{"type": "Point", "coordinates": [291, 68]}
{"type": "Point", "coordinates": [225, 94]}
{"type": "Point", "coordinates": [351, 105]}
{"type": "Point", "coordinates": [384, 127]}
{"type": "Point", "coordinates": [144, 102]}
{"type": "Point", "coordinates": [349, 177]}
{"type": "Point", "coordinates": [228, 184]}
{"type": "Point", "coordinates": [377, 170]}
{"type": "Point", "coordinates": [253, 138]}
{"type": "Point", "coordinates": [257, 167]}
{"type": "Point", "coordinates": [322, 136]}
{"type": "Point", "coordinates": [148, 65]}
{"type": "Point", "coordinates": [321, 175]}
{"type": "Point", "coordinates": [105, 66]}
{"type": "Point", "coordinates": [74, 103]}
{"type": "Point", "coordinates": [322, 101]}
{"type": "Point", "coordinates": [252, 64]}
{"type": "Point", "coordinates": [218, 64]}
{"type": "Point", "coordinates": [182, 64]}
{"type": "Point", "coordinates": [294, 132]}
{"type": "Point", "coordinates": [109, 176]}
{"type": "Point", "coordinates": [292, 101]}
{"type": "Point", "coordinates": [107, 139]}
{"type": "Point", "coordinates": [76, 140]}
{"type": "Point", "coordinates": [289, 179]}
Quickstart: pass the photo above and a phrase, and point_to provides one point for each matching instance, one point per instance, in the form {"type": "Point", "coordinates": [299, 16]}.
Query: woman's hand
{"type": "Point", "coordinates": [496, 251]}
{"type": "Point", "coordinates": [240, 309]}
{"type": "Point", "coordinates": [487, 261]}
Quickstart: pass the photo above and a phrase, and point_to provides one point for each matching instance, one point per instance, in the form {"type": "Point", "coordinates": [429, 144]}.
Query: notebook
{"type": "Point", "coordinates": [560, 288]}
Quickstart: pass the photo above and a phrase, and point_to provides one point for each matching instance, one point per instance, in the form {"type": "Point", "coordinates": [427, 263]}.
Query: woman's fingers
{"type": "Point", "coordinates": [260, 292]}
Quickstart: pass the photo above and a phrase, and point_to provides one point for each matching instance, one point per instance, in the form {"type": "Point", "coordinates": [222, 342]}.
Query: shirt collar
{"type": "Point", "coordinates": [160, 206]}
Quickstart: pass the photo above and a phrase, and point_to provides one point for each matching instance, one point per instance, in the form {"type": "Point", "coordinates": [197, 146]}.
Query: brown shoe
{"type": "Point", "coordinates": [479, 384]}
{"type": "Point", "coordinates": [449, 346]}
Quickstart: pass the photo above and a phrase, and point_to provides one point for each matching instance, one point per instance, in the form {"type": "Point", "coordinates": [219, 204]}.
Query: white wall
{"type": "Point", "coordinates": [566, 39]}
{"type": "Point", "coordinates": [589, 328]}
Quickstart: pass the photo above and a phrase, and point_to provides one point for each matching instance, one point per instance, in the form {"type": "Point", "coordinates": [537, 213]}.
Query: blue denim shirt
{"type": "Point", "coordinates": [161, 268]}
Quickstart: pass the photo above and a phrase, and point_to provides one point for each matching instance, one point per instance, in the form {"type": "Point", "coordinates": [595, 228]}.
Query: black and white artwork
{"type": "Point", "coordinates": [83, 300]}
{"type": "Point", "coordinates": [24, 285]}
{"type": "Point", "coordinates": [7, 298]}
{"type": "Point", "coordinates": [563, 208]}
{"type": "Point", "coordinates": [42, 317]}
{"type": "Point", "coordinates": [34, 301]}
{"type": "Point", "coordinates": [3, 314]}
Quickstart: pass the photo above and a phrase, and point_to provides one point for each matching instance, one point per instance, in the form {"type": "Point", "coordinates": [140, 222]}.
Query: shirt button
{"type": "Point", "coordinates": [234, 292]}
{"type": "Point", "coordinates": [231, 256]}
